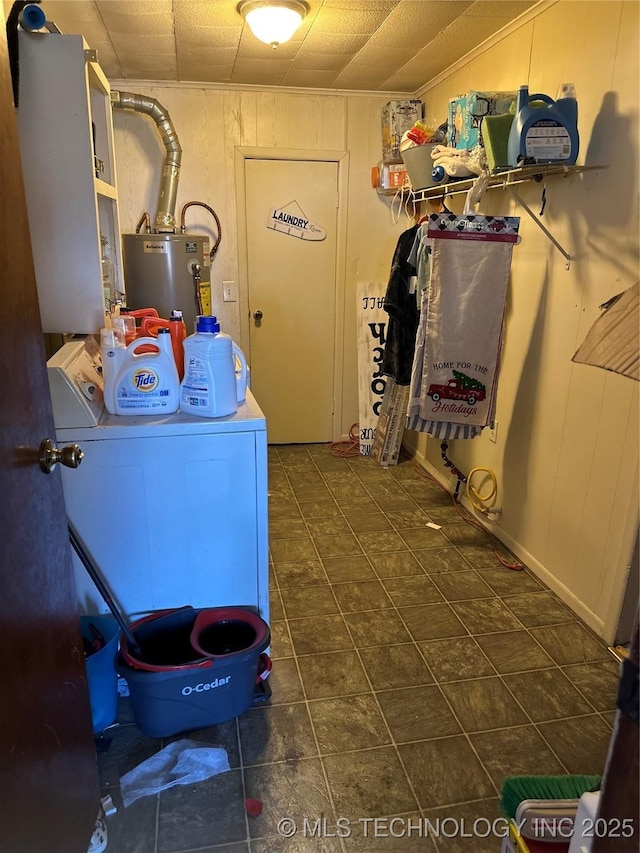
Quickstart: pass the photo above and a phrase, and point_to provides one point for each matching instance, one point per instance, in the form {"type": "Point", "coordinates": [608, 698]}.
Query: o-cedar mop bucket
{"type": "Point", "coordinates": [228, 630]}
{"type": "Point", "coordinates": [163, 642]}
{"type": "Point", "coordinates": [200, 668]}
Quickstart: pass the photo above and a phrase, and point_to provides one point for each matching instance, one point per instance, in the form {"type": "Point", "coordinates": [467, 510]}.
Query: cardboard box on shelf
{"type": "Point", "coordinates": [466, 113]}
{"type": "Point", "coordinates": [398, 117]}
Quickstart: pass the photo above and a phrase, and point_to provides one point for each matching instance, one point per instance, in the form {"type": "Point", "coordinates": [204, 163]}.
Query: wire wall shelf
{"type": "Point", "coordinates": [503, 178]}
{"type": "Point", "coordinates": [509, 179]}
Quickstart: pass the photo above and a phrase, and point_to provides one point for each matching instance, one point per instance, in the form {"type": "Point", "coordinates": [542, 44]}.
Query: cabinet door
{"type": "Point", "coordinates": [66, 145]}
{"type": "Point", "coordinates": [169, 521]}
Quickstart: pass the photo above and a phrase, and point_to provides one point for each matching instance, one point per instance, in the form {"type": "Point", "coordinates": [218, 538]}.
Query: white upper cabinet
{"type": "Point", "coordinates": [66, 143]}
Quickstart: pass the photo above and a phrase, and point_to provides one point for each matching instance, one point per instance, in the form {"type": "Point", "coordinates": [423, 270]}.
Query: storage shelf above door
{"type": "Point", "coordinates": [504, 178]}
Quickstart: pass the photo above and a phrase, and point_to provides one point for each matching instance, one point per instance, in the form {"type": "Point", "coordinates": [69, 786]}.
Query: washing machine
{"type": "Point", "coordinates": [173, 509]}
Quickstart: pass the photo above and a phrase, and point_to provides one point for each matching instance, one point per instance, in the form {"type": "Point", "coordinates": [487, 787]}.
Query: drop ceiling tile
{"type": "Point", "coordinates": [214, 36]}
{"type": "Point", "coordinates": [319, 62]}
{"type": "Point", "coordinates": [509, 9]}
{"type": "Point", "coordinates": [362, 80]}
{"type": "Point", "coordinates": [141, 19]}
{"type": "Point", "coordinates": [456, 41]}
{"type": "Point", "coordinates": [309, 79]}
{"type": "Point", "coordinates": [220, 13]}
{"type": "Point", "coordinates": [71, 16]}
{"type": "Point", "coordinates": [193, 71]}
{"type": "Point", "coordinates": [253, 79]}
{"type": "Point", "coordinates": [128, 44]}
{"type": "Point", "coordinates": [333, 42]}
{"type": "Point", "coordinates": [252, 48]}
{"type": "Point", "coordinates": [272, 67]}
{"type": "Point", "coordinates": [466, 32]}
{"type": "Point", "coordinates": [367, 74]}
{"type": "Point", "coordinates": [416, 73]}
{"type": "Point", "coordinates": [136, 7]}
{"type": "Point", "coordinates": [389, 56]}
{"type": "Point", "coordinates": [414, 24]}
{"type": "Point", "coordinates": [224, 57]}
{"type": "Point", "coordinates": [413, 77]}
{"type": "Point", "coordinates": [363, 5]}
{"type": "Point", "coordinates": [349, 20]}
{"type": "Point", "coordinates": [140, 67]}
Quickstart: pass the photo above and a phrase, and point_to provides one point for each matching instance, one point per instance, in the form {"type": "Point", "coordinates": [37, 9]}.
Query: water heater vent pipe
{"type": "Point", "coordinates": [165, 216]}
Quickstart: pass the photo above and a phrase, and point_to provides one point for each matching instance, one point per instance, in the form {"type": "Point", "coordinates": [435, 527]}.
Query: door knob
{"type": "Point", "coordinates": [257, 315]}
{"type": "Point", "coordinates": [71, 456]}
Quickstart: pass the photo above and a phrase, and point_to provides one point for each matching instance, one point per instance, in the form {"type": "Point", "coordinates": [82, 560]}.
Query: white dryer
{"type": "Point", "coordinates": [173, 509]}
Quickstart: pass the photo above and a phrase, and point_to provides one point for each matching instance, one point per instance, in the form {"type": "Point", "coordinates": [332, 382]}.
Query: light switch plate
{"type": "Point", "coordinates": [229, 291]}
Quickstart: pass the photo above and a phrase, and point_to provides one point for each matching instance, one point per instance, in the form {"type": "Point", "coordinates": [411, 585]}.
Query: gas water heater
{"type": "Point", "coordinates": [167, 271]}
{"type": "Point", "coordinates": [164, 267]}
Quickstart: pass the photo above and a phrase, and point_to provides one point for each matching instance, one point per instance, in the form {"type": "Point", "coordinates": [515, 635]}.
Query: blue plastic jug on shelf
{"type": "Point", "coordinates": [546, 133]}
{"type": "Point", "coordinates": [212, 387]}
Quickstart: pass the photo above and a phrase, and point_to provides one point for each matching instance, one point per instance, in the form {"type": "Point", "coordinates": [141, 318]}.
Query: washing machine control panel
{"type": "Point", "coordinates": [75, 382]}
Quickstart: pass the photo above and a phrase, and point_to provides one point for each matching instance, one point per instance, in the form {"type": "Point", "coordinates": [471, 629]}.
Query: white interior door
{"type": "Point", "coordinates": [291, 216]}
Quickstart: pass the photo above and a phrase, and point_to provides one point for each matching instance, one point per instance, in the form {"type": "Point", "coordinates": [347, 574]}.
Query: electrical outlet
{"type": "Point", "coordinates": [229, 291]}
{"type": "Point", "coordinates": [493, 432]}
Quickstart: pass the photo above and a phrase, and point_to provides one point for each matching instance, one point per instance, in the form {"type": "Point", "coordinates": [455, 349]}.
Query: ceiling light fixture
{"type": "Point", "coordinates": [273, 21]}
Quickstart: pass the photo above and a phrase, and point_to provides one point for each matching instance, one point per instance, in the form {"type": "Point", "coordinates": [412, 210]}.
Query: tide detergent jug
{"type": "Point", "coordinates": [545, 134]}
{"type": "Point", "coordinates": [139, 383]}
{"type": "Point", "coordinates": [212, 388]}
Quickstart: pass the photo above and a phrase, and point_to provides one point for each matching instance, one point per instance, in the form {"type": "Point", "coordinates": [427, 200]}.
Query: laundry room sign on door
{"type": "Point", "coordinates": [291, 220]}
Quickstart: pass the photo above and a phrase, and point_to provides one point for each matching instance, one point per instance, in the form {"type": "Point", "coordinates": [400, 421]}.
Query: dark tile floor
{"type": "Point", "coordinates": [412, 673]}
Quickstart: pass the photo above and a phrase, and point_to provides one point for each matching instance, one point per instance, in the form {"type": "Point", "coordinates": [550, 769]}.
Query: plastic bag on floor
{"type": "Point", "coordinates": [183, 762]}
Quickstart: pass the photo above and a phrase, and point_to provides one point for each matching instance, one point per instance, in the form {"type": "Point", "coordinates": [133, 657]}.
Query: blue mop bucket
{"type": "Point", "coordinates": [102, 678]}
{"type": "Point", "coordinates": [199, 668]}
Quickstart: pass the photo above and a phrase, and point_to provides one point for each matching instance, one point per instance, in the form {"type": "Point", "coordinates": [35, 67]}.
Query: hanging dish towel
{"type": "Point", "coordinates": [457, 355]}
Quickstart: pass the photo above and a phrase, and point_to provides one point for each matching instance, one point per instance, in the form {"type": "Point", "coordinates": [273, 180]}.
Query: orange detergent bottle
{"type": "Point", "coordinates": [126, 320]}
{"type": "Point", "coordinates": [177, 329]}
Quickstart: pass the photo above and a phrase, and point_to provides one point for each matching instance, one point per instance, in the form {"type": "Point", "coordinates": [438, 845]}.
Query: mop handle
{"type": "Point", "coordinates": [87, 561]}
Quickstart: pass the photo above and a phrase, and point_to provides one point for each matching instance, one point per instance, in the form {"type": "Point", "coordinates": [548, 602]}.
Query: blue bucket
{"type": "Point", "coordinates": [102, 678]}
{"type": "Point", "coordinates": [200, 668]}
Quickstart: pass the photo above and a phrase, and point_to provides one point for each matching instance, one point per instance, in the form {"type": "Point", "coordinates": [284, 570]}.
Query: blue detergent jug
{"type": "Point", "coordinates": [544, 134]}
{"type": "Point", "coordinates": [212, 386]}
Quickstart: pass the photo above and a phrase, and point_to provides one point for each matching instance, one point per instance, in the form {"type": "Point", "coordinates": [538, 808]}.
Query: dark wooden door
{"type": "Point", "coordinates": [49, 792]}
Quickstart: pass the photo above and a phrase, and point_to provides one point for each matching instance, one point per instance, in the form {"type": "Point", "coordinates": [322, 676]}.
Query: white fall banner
{"type": "Point", "coordinates": [371, 321]}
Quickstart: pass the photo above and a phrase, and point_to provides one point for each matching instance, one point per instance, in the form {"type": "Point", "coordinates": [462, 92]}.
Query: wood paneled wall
{"type": "Point", "coordinates": [566, 455]}
{"type": "Point", "coordinates": [211, 122]}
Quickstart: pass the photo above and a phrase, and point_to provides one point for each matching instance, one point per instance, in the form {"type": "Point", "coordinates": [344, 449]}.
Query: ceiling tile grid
{"type": "Point", "coordinates": [369, 45]}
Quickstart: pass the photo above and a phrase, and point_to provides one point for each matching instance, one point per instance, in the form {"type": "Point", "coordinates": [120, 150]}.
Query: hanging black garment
{"type": "Point", "coordinates": [402, 308]}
